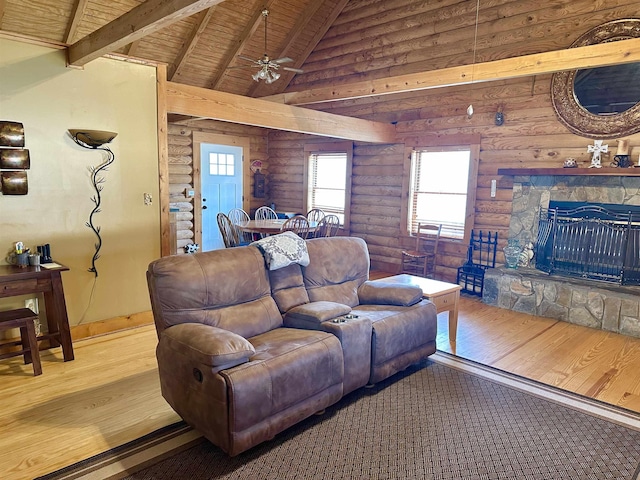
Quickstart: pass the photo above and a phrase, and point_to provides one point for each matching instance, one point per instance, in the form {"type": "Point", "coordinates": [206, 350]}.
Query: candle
{"type": "Point", "coordinates": [623, 147]}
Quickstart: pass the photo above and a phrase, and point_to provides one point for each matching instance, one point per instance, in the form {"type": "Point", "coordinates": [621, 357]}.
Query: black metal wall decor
{"type": "Point", "coordinates": [95, 140]}
{"type": "Point", "coordinates": [14, 159]}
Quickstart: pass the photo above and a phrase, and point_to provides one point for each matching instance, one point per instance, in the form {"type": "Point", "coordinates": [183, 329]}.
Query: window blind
{"type": "Point", "coordinates": [438, 190]}
{"type": "Point", "coordinates": [327, 182]}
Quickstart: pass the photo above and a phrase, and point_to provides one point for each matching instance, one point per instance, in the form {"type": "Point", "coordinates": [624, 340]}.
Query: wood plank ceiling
{"type": "Point", "coordinates": [200, 49]}
{"type": "Point", "coordinates": [201, 40]}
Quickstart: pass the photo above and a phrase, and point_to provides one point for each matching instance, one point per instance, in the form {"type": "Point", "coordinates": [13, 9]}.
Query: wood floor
{"type": "Point", "coordinates": [110, 394]}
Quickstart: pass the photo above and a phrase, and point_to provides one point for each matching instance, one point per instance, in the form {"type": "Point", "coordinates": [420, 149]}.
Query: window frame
{"type": "Point", "coordinates": [472, 143]}
{"type": "Point", "coordinates": [329, 147]}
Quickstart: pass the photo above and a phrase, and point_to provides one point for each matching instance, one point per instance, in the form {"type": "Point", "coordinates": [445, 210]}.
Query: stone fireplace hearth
{"type": "Point", "coordinates": [596, 304]}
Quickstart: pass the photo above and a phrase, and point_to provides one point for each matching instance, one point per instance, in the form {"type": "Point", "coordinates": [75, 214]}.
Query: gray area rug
{"type": "Point", "coordinates": [429, 422]}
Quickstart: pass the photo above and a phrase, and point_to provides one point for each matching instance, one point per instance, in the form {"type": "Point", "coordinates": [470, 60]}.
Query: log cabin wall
{"type": "Point", "coordinates": [181, 169]}
{"type": "Point", "coordinates": [380, 39]}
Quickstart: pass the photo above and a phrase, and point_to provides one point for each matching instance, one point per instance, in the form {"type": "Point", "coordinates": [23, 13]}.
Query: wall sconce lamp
{"type": "Point", "coordinates": [95, 140]}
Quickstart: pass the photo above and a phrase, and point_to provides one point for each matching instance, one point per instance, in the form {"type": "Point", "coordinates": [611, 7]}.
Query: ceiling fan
{"type": "Point", "coordinates": [267, 67]}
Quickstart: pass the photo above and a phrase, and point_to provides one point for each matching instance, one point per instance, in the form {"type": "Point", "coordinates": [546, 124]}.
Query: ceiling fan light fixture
{"type": "Point", "coordinates": [272, 77]}
{"type": "Point", "coordinates": [268, 66]}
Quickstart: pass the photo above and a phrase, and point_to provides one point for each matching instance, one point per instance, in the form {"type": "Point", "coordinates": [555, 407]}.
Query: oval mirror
{"type": "Point", "coordinates": [600, 102]}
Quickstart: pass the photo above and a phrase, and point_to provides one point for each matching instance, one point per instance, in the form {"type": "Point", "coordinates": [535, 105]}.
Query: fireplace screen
{"type": "Point", "coordinates": [590, 241]}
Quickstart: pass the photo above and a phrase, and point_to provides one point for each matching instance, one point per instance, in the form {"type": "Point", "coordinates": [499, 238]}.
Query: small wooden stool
{"type": "Point", "coordinates": [23, 318]}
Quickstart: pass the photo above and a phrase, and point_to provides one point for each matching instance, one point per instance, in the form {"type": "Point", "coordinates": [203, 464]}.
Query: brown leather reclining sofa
{"type": "Point", "coordinates": [245, 352]}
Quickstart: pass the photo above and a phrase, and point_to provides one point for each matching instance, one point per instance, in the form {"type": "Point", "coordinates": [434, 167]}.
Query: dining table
{"type": "Point", "coordinates": [268, 226]}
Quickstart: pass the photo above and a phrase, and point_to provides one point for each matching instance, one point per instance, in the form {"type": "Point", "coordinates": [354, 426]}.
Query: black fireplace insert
{"type": "Point", "coordinates": [589, 240]}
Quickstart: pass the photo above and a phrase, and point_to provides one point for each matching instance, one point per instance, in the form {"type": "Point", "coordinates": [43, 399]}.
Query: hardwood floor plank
{"type": "Point", "coordinates": [106, 397]}
{"type": "Point", "coordinates": [594, 363]}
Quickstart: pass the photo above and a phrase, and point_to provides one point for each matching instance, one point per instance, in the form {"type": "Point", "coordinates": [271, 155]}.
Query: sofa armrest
{"type": "Point", "coordinates": [381, 293]}
{"type": "Point", "coordinates": [207, 345]}
{"type": "Point", "coordinates": [311, 315]}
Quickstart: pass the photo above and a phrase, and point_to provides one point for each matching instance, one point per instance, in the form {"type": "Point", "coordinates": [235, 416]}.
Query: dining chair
{"type": "Point", "coordinates": [227, 230]}
{"type": "Point", "coordinates": [298, 225]}
{"type": "Point", "coordinates": [422, 260]}
{"type": "Point", "coordinates": [238, 215]}
{"type": "Point", "coordinates": [328, 226]}
{"type": "Point", "coordinates": [265, 213]}
{"type": "Point", "coordinates": [315, 215]}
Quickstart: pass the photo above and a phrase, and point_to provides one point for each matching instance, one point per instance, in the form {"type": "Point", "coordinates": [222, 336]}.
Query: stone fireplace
{"type": "Point", "coordinates": [592, 303]}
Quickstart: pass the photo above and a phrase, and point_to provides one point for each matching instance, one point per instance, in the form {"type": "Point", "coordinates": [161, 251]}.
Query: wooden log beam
{"type": "Point", "coordinates": [227, 107]}
{"type": "Point", "coordinates": [592, 56]}
{"type": "Point", "coordinates": [190, 43]}
{"type": "Point", "coordinates": [72, 27]}
{"type": "Point", "coordinates": [146, 18]}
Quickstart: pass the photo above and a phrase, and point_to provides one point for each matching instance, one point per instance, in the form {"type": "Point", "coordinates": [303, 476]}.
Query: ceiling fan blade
{"type": "Point", "coordinates": [295, 70]}
{"type": "Point", "coordinates": [252, 60]}
{"type": "Point", "coordinates": [282, 60]}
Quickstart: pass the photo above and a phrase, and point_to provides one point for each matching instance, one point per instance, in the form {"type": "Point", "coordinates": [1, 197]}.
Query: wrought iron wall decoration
{"type": "Point", "coordinates": [14, 159]}
{"type": "Point", "coordinates": [95, 140]}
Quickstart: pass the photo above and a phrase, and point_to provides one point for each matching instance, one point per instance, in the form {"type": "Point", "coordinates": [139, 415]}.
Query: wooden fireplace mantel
{"type": "Point", "coordinates": [602, 172]}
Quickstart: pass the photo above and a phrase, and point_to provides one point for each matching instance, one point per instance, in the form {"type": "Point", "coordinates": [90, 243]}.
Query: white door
{"type": "Point", "coordinates": [221, 184]}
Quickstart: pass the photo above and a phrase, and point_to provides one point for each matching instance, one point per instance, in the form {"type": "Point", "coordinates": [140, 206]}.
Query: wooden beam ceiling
{"type": "Point", "coordinates": [72, 27]}
{"type": "Point", "coordinates": [246, 34]}
{"type": "Point", "coordinates": [299, 28]}
{"type": "Point", "coordinates": [227, 107]}
{"type": "Point", "coordinates": [191, 42]}
{"type": "Point", "coordinates": [148, 17]}
{"type": "Point", "coordinates": [600, 55]}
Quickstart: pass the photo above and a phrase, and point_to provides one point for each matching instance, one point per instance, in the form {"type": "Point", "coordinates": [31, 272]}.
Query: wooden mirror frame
{"type": "Point", "coordinates": [569, 111]}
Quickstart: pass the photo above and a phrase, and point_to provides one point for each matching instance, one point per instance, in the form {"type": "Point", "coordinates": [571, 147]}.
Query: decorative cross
{"type": "Point", "coordinates": [597, 148]}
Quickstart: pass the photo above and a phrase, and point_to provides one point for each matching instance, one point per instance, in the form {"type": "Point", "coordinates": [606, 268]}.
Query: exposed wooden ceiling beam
{"type": "Point", "coordinates": [191, 42]}
{"type": "Point", "coordinates": [132, 49]}
{"type": "Point", "coordinates": [246, 34]}
{"type": "Point", "coordinates": [72, 27]}
{"type": "Point", "coordinates": [227, 107]}
{"type": "Point", "coordinates": [600, 55]}
{"type": "Point", "coordinates": [146, 18]}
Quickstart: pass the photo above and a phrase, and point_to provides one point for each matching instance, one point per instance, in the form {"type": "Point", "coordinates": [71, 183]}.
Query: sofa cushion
{"type": "Point", "coordinates": [226, 288]}
{"type": "Point", "coordinates": [337, 267]}
{"type": "Point", "coordinates": [380, 293]}
{"type": "Point", "coordinates": [282, 250]}
{"type": "Point", "coordinates": [397, 330]}
{"type": "Point", "coordinates": [289, 366]}
{"type": "Point", "coordinates": [287, 287]}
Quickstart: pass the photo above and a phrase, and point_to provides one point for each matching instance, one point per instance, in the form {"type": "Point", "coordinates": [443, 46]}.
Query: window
{"type": "Point", "coordinates": [442, 189]}
{"type": "Point", "coordinates": [328, 178]}
{"type": "Point", "coordinates": [221, 164]}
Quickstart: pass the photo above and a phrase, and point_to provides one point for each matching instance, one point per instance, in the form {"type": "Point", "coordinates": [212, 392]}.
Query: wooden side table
{"type": "Point", "coordinates": [445, 296]}
{"type": "Point", "coordinates": [48, 281]}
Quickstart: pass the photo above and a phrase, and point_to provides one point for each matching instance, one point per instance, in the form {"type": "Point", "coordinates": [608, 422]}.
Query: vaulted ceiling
{"type": "Point", "coordinates": [202, 41]}
{"type": "Point", "coordinates": [202, 47]}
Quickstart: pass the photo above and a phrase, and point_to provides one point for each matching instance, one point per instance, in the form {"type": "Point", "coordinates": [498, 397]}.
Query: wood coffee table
{"type": "Point", "coordinates": [444, 295]}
